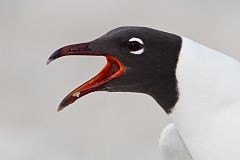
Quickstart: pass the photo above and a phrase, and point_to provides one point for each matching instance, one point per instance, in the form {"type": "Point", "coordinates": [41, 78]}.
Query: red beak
{"type": "Point", "coordinates": [113, 69]}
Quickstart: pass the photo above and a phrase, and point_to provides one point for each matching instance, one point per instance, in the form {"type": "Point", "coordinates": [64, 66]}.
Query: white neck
{"type": "Point", "coordinates": [207, 114]}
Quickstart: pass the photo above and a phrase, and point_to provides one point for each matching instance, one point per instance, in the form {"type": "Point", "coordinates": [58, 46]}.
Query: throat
{"type": "Point", "coordinates": [165, 93]}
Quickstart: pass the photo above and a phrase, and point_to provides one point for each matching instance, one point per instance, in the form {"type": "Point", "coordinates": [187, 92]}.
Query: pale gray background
{"type": "Point", "coordinates": [100, 126]}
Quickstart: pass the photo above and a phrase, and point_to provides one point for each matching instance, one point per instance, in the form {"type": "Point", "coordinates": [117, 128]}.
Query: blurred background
{"type": "Point", "coordinates": [99, 126]}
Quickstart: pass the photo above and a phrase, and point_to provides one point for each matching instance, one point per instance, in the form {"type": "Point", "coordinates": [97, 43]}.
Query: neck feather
{"type": "Point", "coordinates": [208, 85]}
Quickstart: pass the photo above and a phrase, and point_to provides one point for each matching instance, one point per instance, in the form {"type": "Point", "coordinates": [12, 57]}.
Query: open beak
{"type": "Point", "coordinates": [113, 69]}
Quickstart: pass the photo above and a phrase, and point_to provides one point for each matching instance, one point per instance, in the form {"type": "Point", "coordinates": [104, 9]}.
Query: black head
{"type": "Point", "coordinates": [139, 59]}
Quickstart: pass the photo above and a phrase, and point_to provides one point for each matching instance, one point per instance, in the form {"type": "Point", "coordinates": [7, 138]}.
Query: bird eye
{"type": "Point", "coordinates": [135, 45]}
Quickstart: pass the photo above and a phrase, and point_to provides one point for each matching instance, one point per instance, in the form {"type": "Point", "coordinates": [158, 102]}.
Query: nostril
{"type": "Point", "coordinates": [74, 49]}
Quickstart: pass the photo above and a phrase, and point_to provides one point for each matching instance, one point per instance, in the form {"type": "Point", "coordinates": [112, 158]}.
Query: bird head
{"type": "Point", "coordinates": [138, 59]}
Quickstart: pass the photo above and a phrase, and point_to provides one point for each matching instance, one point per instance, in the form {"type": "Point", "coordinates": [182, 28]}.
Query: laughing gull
{"type": "Point", "coordinates": [195, 85]}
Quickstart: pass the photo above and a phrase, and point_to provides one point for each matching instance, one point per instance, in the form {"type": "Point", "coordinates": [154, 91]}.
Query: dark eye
{"type": "Point", "coordinates": [135, 45]}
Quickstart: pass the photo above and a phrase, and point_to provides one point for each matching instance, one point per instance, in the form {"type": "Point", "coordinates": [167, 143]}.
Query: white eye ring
{"type": "Point", "coordinates": [136, 39]}
{"type": "Point", "coordinates": [140, 51]}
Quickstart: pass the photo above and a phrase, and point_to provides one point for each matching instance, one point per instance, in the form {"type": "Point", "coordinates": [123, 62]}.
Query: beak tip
{"type": "Point", "coordinates": [54, 56]}
{"type": "Point", "coordinates": [49, 61]}
{"type": "Point", "coordinates": [59, 109]}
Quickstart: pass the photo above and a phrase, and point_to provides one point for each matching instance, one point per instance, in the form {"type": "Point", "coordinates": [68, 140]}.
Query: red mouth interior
{"type": "Point", "coordinates": [113, 69]}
